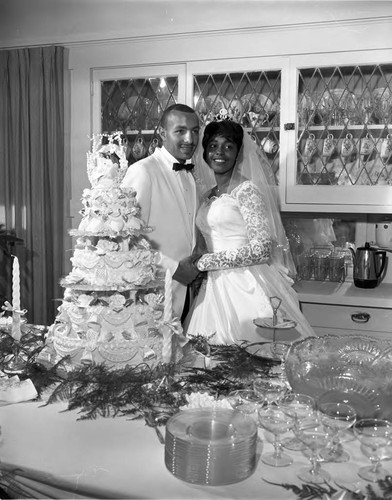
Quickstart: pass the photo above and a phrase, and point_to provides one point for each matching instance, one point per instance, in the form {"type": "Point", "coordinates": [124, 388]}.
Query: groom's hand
{"type": "Point", "coordinates": [187, 271]}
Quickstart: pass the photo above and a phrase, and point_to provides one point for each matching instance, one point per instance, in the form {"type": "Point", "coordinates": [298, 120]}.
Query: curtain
{"type": "Point", "coordinates": [32, 179]}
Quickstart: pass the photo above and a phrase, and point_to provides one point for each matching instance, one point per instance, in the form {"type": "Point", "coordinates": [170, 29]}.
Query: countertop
{"type": "Point", "coordinates": [327, 292]}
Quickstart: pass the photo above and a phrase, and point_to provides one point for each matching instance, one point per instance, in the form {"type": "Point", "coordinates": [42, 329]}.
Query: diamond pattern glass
{"type": "Point", "coordinates": [135, 106]}
{"type": "Point", "coordinates": [251, 98]}
{"type": "Point", "coordinates": [345, 126]}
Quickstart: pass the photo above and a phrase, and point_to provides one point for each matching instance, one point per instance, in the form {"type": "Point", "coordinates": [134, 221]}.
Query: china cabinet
{"type": "Point", "coordinates": [132, 100]}
{"type": "Point", "coordinates": [340, 155]}
{"type": "Point", "coordinates": [324, 121]}
{"type": "Point", "coordinates": [247, 91]}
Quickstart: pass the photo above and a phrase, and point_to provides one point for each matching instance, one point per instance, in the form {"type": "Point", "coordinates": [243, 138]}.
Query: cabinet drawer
{"type": "Point", "coordinates": [360, 319]}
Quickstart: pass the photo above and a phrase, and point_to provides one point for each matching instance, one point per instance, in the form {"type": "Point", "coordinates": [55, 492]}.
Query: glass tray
{"type": "Point", "coordinates": [285, 324]}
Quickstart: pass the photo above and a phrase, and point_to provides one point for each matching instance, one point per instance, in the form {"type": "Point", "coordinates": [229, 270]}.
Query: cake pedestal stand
{"type": "Point", "coordinates": [273, 350]}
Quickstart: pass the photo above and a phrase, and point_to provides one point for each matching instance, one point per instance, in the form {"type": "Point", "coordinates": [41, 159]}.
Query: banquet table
{"type": "Point", "coordinates": [46, 452]}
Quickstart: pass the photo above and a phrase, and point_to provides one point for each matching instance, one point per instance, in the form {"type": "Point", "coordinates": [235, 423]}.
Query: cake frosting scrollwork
{"type": "Point", "coordinates": [116, 222]}
{"type": "Point", "coordinates": [117, 302]}
{"type": "Point", "coordinates": [89, 345]}
{"type": "Point", "coordinates": [105, 246]}
{"type": "Point", "coordinates": [66, 342]}
{"type": "Point", "coordinates": [120, 353]}
{"type": "Point", "coordinates": [154, 299]}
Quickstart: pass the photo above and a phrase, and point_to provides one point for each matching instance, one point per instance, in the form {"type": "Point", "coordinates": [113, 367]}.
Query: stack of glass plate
{"type": "Point", "coordinates": [211, 446]}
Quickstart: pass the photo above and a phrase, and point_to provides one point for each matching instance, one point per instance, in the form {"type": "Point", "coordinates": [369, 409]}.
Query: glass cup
{"type": "Point", "coordinates": [375, 436]}
{"type": "Point", "coordinates": [336, 268]}
{"type": "Point", "coordinates": [337, 418]}
{"type": "Point", "coordinates": [305, 266]}
{"type": "Point", "coordinates": [314, 436]}
{"type": "Point", "coordinates": [303, 408]}
{"type": "Point", "coordinates": [276, 421]}
{"type": "Point", "coordinates": [321, 266]}
{"type": "Point", "coordinates": [246, 401]}
{"type": "Point", "coordinates": [271, 390]}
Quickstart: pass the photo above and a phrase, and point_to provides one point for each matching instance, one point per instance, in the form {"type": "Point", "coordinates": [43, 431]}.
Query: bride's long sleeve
{"type": "Point", "coordinates": [257, 250]}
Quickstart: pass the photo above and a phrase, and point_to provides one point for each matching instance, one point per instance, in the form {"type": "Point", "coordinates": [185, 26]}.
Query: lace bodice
{"type": "Point", "coordinates": [235, 228]}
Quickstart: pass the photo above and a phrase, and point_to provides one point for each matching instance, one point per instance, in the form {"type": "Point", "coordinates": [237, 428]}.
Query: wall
{"type": "Point", "coordinates": [130, 33]}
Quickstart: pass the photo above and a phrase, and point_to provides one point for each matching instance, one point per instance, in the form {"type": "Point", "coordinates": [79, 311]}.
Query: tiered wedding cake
{"type": "Point", "coordinates": [114, 308]}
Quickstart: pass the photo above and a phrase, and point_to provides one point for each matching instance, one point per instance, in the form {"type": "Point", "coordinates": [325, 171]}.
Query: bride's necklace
{"type": "Point", "coordinates": [222, 189]}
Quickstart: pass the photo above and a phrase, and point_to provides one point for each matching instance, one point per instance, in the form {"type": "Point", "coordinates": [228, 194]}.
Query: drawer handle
{"type": "Point", "coordinates": [360, 317]}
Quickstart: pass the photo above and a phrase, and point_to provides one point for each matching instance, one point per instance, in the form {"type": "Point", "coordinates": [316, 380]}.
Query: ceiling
{"type": "Point", "coordinates": [40, 22]}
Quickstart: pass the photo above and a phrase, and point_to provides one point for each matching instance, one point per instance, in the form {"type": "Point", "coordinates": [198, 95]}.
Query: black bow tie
{"type": "Point", "coordinates": [183, 166]}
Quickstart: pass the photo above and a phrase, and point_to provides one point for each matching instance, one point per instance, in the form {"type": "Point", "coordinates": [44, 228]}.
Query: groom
{"type": "Point", "coordinates": [166, 192]}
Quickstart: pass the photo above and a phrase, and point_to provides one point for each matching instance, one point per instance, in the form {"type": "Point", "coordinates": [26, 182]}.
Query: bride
{"type": "Point", "coordinates": [247, 256]}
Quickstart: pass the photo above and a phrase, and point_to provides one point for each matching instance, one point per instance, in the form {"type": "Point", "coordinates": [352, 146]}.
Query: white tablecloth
{"type": "Point", "coordinates": [52, 455]}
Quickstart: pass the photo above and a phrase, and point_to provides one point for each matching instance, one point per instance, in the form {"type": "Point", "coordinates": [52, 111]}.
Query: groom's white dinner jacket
{"type": "Point", "coordinates": [168, 204]}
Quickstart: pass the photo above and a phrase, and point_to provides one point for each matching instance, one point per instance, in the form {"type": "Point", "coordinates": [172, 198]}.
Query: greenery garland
{"type": "Point", "coordinates": [154, 394]}
{"type": "Point", "coordinates": [326, 491]}
{"type": "Point", "coordinates": [157, 393]}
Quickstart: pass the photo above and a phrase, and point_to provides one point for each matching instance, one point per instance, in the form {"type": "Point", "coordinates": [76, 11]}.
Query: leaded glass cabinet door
{"type": "Point", "coordinates": [132, 100]}
{"type": "Point", "coordinates": [343, 146]}
{"type": "Point", "coordinates": [250, 96]}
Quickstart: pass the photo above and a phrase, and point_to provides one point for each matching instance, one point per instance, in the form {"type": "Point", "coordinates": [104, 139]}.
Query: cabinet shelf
{"type": "Point", "coordinates": [142, 131]}
{"type": "Point", "coordinates": [263, 130]}
{"type": "Point", "coordinates": [345, 127]}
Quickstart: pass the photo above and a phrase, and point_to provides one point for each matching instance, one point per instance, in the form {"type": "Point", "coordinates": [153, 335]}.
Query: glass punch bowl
{"type": "Point", "coordinates": [350, 368]}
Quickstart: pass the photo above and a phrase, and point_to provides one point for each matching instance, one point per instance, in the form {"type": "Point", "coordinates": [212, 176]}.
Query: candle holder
{"type": "Point", "coordinates": [166, 372]}
{"type": "Point", "coordinates": [16, 364]}
{"type": "Point", "coordinates": [16, 325]}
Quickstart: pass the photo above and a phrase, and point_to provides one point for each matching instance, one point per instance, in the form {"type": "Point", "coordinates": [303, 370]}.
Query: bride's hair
{"type": "Point", "coordinates": [228, 129]}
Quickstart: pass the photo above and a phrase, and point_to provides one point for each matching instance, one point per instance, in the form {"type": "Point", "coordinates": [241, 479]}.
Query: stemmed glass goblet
{"type": "Point", "coordinates": [336, 417]}
{"type": "Point", "coordinates": [273, 419]}
{"type": "Point", "coordinates": [314, 436]}
{"type": "Point", "coordinates": [270, 389]}
{"type": "Point", "coordinates": [303, 408]}
{"type": "Point", "coordinates": [375, 435]}
{"type": "Point", "coordinates": [246, 401]}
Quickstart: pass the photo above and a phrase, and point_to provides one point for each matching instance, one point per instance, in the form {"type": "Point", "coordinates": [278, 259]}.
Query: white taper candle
{"type": "Point", "coordinates": [16, 333]}
{"type": "Point", "coordinates": [167, 318]}
{"type": "Point", "coordinates": [168, 312]}
{"type": "Point", "coordinates": [15, 285]}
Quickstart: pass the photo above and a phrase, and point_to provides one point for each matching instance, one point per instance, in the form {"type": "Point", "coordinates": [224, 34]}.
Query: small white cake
{"type": "Point", "coordinates": [14, 390]}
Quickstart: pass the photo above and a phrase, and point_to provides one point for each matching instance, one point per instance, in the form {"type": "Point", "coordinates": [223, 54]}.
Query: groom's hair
{"type": "Point", "coordinates": [182, 108]}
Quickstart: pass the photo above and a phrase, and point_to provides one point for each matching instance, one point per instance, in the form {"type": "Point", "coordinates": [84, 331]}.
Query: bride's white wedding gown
{"type": "Point", "coordinates": [237, 290]}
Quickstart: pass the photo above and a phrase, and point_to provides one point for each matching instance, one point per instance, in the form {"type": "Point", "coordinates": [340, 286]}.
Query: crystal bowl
{"type": "Point", "coordinates": [351, 368]}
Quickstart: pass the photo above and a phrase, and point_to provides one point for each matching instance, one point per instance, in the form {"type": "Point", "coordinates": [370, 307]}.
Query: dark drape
{"type": "Point", "coordinates": [32, 173]}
